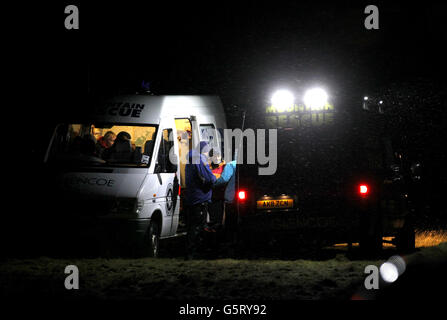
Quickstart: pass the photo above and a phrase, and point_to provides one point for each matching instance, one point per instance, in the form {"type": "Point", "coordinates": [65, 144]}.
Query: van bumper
{"type": "Point", "coordinates": [115, 230]}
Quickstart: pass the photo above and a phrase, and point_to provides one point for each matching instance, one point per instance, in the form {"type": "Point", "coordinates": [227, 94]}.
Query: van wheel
{"type": "Point", "coordinates": [153, 240]}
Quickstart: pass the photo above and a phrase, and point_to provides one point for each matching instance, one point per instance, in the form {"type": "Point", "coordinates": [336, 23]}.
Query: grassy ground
{"type": "Point", "coordinates": [177, 279]}
{"type": "Point", "coordinates": [334, 273]}
{"type": "Point", "coordinates": [430, 238]}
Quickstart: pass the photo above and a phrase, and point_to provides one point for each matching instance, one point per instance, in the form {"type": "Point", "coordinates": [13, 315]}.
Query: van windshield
{"type": "Point", "coordinates": [103, 144]}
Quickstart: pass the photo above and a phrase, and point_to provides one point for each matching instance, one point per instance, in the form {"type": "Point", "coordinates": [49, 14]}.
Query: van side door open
{"type": "Point", "coordinates": [167, 172]}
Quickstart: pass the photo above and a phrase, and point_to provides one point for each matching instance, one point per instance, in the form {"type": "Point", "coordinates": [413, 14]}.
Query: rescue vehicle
{"type": "Point", "coordinates": [135, 194]}
{"type": "Point", "coordinates": [342, 177]}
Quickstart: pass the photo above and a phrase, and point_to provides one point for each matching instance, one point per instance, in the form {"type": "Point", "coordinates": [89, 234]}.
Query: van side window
{"type": "Point", "coordinates": [166, 154]}
{"type": "Point", "coordinates": [209, 134]}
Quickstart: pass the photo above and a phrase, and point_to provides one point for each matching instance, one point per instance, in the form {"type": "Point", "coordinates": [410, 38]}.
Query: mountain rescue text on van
{"type": "Point", "coordinates": [123, 109]}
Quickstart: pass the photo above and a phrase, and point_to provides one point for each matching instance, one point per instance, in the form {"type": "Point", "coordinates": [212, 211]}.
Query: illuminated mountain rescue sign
{"type": "Point", "coordinates": [298, 116]}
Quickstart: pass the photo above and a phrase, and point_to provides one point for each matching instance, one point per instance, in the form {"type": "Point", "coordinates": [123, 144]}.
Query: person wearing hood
{"type": "Point", "coordinates": [199, 182]}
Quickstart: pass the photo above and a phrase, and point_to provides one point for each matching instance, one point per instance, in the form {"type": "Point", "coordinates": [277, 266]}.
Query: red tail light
{"type": "Point", "coordinates": [242, 195]}
{"type": "Point", "coordinates": [363, 189]}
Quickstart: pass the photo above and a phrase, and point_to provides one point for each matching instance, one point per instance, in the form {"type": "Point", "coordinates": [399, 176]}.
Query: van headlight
{"type": "Point", "coordinates": [128, 206]}
{"type": "Point", "coordinates": [140, 205]}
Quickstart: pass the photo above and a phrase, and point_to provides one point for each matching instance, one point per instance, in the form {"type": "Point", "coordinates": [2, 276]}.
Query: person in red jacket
{"type": "Point", "coordinates": [105, 142]}
{"type": "Point", "coordinates": [216, 207]}
{"type": "Point", "coordinates": [217, 164]}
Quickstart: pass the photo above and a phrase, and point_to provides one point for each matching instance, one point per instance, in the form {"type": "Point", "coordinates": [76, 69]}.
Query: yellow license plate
{"type": "Point", "coordinates": [275, 204]}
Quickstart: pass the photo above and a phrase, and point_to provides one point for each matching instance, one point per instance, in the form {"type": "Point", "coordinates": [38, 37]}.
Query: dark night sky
{"type": "Point", "coordinates": [238, 50]}
{"type": "Point", "coordinates": [246, 50]}
{"type": "Point", "coordinates": [228, 46]}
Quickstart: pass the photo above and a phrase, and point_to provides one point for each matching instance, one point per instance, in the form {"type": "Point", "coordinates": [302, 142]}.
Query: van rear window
{"type": "Point", "coordinates": [103, 144]}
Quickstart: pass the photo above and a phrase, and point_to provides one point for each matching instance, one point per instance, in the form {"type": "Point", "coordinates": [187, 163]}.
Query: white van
{"type": "Point", "coordinates": [137, 187]}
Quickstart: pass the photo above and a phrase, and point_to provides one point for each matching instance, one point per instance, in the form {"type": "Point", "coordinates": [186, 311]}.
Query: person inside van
{"type": "Point", "coordinates": [199, 182]}
{"type": "Point", "coordinates": [105, 142]}
{"type": "Point", "coordinates": [96, 133]}
{"type": "Point", "coordinates": [88, 145]}
{"type": "Point", "coordinates": [87, 149]}
{"type": "Point", "coordinates": [121, 150]}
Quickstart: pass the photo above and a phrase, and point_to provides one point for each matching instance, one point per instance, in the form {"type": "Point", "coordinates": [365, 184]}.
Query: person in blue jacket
{"type": "Point", "coordinates": [226, 184]}
{"type": "Point", "coordinates": [228, 178]}
{"type": "Point", "coordinates": [198, 193]}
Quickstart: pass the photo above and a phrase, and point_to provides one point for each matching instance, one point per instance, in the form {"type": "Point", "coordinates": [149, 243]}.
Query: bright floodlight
{"type": "Point", "coordinates": [389, 272]}
{"type": "Point", "coordinates": [315, 99]}
{"type": "Point", "coordinates": [365, 98]}
{"type": "Point", "coordinates": [282, 100]}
